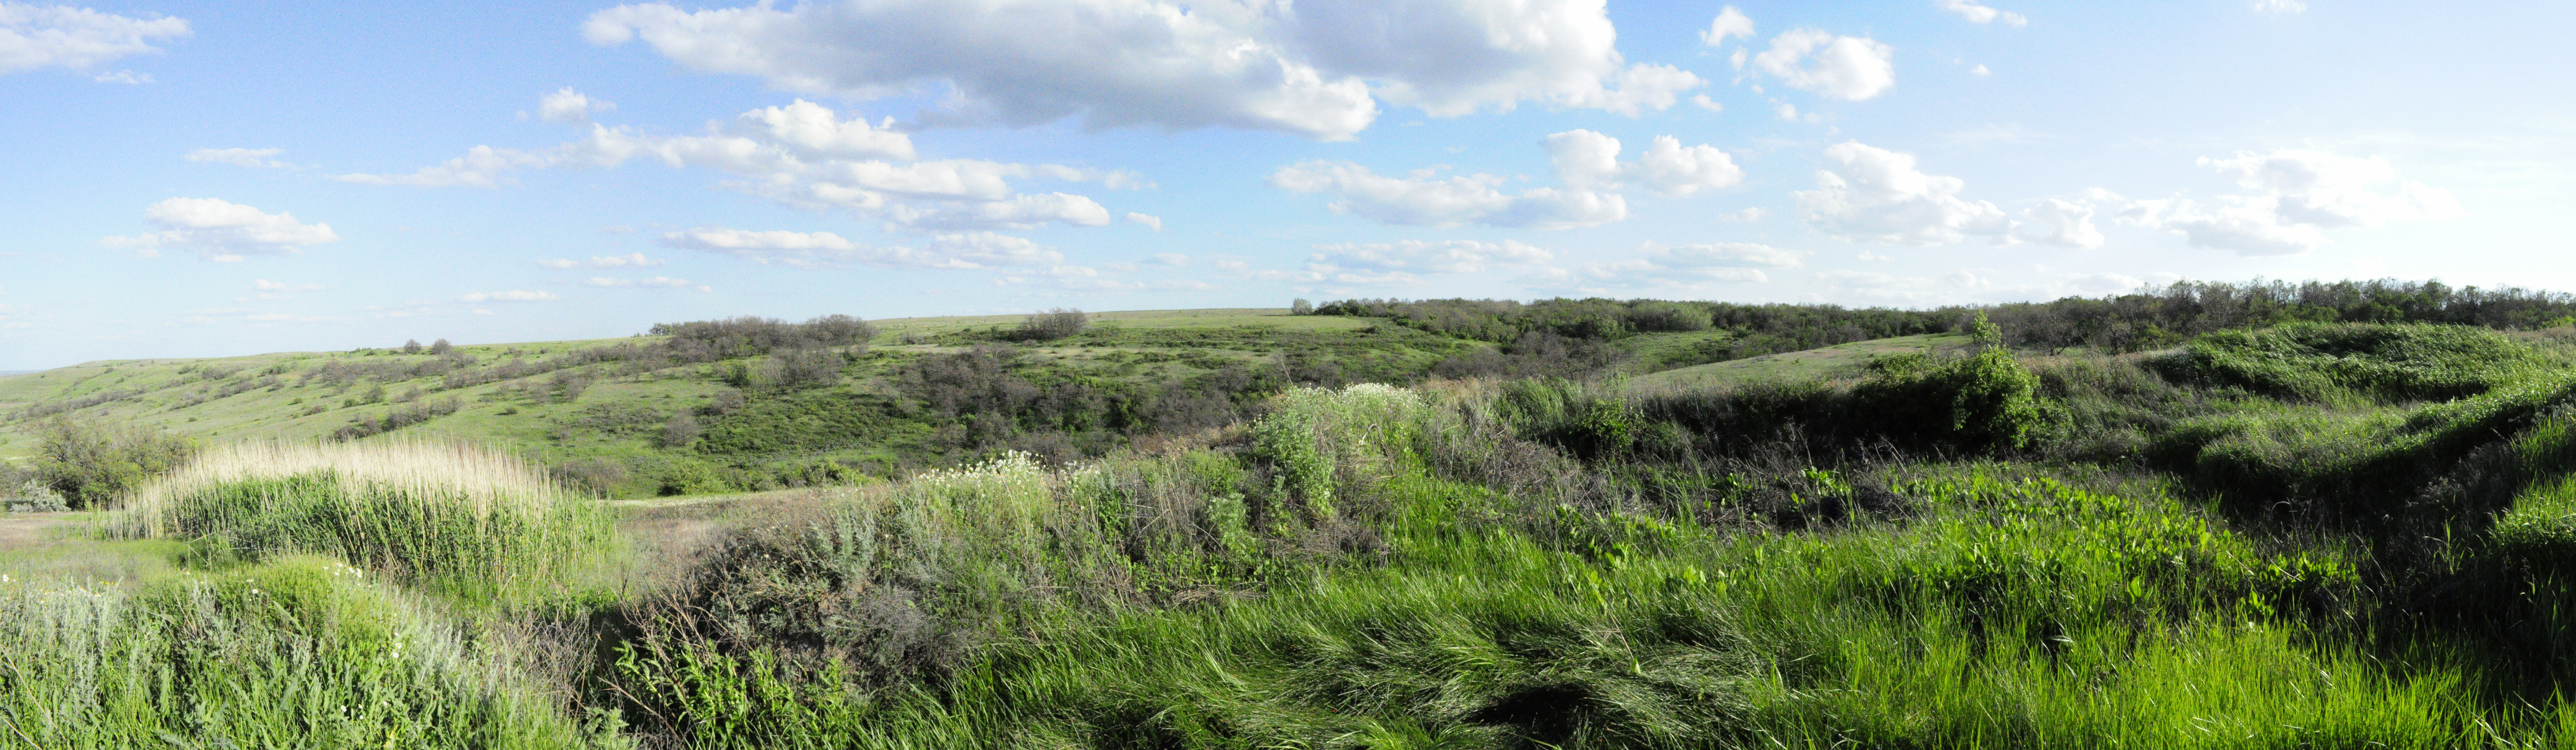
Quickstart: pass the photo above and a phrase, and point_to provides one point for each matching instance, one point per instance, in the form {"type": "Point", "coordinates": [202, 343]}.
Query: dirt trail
{"type": "Point", "coordinates": [25, 530]}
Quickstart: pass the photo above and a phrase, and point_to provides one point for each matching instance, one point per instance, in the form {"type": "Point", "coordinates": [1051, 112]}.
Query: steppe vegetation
{"type": "Point", "coordinates": [2212, 515]}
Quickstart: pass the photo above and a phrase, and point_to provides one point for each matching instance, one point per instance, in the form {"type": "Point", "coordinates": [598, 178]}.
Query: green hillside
{"type": "Point", "coordinates": [1453, 523]}
{"type": "Point", "coordinates": [598, 412]}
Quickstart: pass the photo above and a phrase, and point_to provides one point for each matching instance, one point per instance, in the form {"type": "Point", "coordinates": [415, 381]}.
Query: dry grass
{"type": "Point", "coordinates": [488, 481]}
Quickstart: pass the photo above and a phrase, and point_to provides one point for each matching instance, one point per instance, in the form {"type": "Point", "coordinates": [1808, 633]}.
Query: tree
{"type": "Point", "coordinates": [1053, 324]}
{"type": "Point", "coordinates": [1301, 307]}
{"type": "Point", "coordinates": [411, 346]}
{"type": "Point", "coordinates": [441, 348]}
{"type": "Point", "coordinates": [90, 462]}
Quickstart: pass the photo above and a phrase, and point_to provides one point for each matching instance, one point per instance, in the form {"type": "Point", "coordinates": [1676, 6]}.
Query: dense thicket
{"type": "Point", "coordinates": [2145, 319]}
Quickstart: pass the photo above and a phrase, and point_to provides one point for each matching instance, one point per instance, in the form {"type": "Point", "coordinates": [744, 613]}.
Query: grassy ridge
{"type": "Point", "coordinates": [602, 411]}
{"type": "Point", "coordinates": [2346, 535]}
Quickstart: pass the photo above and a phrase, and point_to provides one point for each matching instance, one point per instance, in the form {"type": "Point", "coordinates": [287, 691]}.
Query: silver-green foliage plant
{"type": "Point", "coordinates": [34, 497]}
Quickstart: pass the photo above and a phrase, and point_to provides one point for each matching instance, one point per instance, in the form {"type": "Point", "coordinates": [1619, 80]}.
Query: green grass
{"type": "Point", "coordinates": [1742, 556]}
{"type": "Point", "coordinates": [232, 399]}
{"type": "Point", "coordinates": [298, 652]}
{"type": "Point", "coordinates": [471, 525]}
{"type": "Point", "coordinates": [1840, 362]}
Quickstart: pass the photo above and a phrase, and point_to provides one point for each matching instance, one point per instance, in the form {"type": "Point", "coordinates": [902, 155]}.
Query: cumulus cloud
{"type": "Point", "coordinates": [2059, 222]}
{"type": "Point", "coordinates": [222, 231]}
{"type": "Point", "coordinates": [513, 295]}
{"type": "Point", "coordinates": [40, 36]}
{"type": "Point", "coordinates": [1317, 68]}
{"type": "Point", "coordinates": [1976, 13]}
{"type": "Point", "coordinates": [630, 260]}
{"type": "Point", "coordinates": [2302, 193]}
{"type": "Point", "coordinates": [1451, 256]}
{"type": "Point", "coordinates": [1730, 23]}
{"type": "Point", "coordinates": [1841, 67]}
{"type": "Point", "coordinates": [1585, 162]}
{"type": "Point", "coordinates": [246, 157]}
{"type": "Point", "coordinates": [1152, 221]}
{"type": "Point", "coordinates": [570, 107]}
{"type": "Point", "coordinates": [1673, 266]}
{"type": "Point", "coordinates": [1865, 193]}
{"type": "Point", "coordinates": [1426, 198]}
{"type": "Point", "coordinates": [811, 250]}
{"type": "Point", "coordinates": [804, 155]}
{"type": "Point", "coordinates": [657, 282]}
{"type": "Point", "coordinates": [1720, 254]}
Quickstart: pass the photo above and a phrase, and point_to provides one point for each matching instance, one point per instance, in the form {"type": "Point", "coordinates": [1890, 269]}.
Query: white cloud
{"type": "Point", "coordinates": [222, 231]}
{"type": "Point", "coordinates": [1976, 13]}
{"type": "Point", "coordinates": [1724, 254]}
{"type": "Point", "coordinates": [247, 157]}
{"type": "Point", "coordinates": [1751, 214]}
{"type": "Point", "coordinates": [657, 282]}
{"type": "Point", "coordinates": [630, 260]}
{"type": "Point", "coordinates": [1840, 67]}
{"type": "Point", "coordinates": [1427, 199]}
{"type": "Point", "coordinates": [1980, 70]}
{"type": "Point", "coordinates": [265, 285]}
{"type": "Point", "coordinates": [569, 107]}
{"type": "Point", "coordinates": [803, 155]}
{"type": "Point", "coordinates": [1871, 194]}
{"type": "Point", "coordinates": [1703, 102]}
{"type": "Point", "coordinates": [1668, 168]}
{"type": "Point", "coordinates": [1730, 23]}
{"type": "Point", "coordinates": [2059, 222]}
{"type": "Point", "coordinates": [1316, 69]}
{"type": "Point", "coordinates": [1175, 260]}
{"type": "Point", "coordinates": [38, 36]}
{"type": "Point", "coordinates": [824, 249]}
{"type": "Point", "coordinates": [1152, 221]}
{"type": "Point", "coordinates": [2280, 6]}
{"type": "Point", "coordinates": [2303, 193]}
{"type": "Point", "coordinates": [1451, 256]}
{"type": "Point", "coordinates": [127, 77]}
{"type": "Point", "coordinates": [514, 295]}
{"type": "Point", "coordinates": [1585, 162]}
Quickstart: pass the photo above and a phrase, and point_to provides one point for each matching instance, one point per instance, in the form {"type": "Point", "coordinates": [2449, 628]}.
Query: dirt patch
{"type": "Point", "coordinates": [26, 530]}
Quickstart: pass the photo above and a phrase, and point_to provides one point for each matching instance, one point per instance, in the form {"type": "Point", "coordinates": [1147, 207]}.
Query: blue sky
{"type": "Point", "coordinates": [200, 179]}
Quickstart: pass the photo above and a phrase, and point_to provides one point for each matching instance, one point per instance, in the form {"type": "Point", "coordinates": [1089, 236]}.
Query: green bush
{"type": "Point", "coordinates": [91, 462]}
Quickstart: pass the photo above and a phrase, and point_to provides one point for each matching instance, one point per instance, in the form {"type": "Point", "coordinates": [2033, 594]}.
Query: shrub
{"type": "Point", "coordinates": [411, 346]}
{"type": "Point", "coordinates": [799, 369]}
{"type": "Point", "coordinates": [680, 431]}
{"type": "Point", "coordinates": [91, 461]}
{"type": "Point", "coordinates": [1052, 324]}
{"type": "Point", "coordinates": [1301, 307]}
{"type": "Point", "coordinates": [33, 496]}
{"type": "Point", "coordinates": [441, 348]}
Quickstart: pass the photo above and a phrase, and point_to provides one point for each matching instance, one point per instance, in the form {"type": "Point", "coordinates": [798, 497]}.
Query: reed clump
{"type": "Point", "coordinates": [462, 520]}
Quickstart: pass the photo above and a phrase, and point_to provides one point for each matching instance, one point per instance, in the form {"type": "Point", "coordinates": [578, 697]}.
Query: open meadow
{"type": "Point", "coordinates": [2213, 516]}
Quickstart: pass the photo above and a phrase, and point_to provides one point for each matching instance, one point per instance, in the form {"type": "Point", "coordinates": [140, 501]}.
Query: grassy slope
{"type": "Point", "coordinates": [1150, 346]}
{"type": "Point", "coordinates": [1833, 362]}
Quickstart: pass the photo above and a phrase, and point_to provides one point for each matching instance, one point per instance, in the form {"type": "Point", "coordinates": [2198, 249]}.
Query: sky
{"type": "Point", "coordinates": [218, 178]}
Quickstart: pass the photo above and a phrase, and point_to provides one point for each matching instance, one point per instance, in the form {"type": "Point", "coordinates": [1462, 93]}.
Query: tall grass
{"type": "Point", "coordinates": [470, 522]}
{"type": "Point", "coordinates": [302, 652]}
